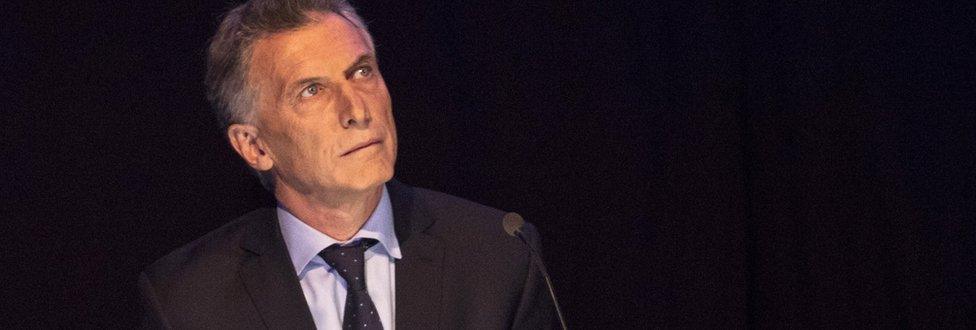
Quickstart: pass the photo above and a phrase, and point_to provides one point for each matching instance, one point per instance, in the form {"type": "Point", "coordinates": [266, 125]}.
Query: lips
{"type": "Point", "coordinates": [362, 146]}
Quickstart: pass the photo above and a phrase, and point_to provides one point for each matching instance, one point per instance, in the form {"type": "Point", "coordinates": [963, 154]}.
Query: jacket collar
{"type": "Point", "coordinates": [275, 291]}
{"type": "Point", "coordinates": [269, 277]}
{"type": "Point", "coordinates": [419, 274]}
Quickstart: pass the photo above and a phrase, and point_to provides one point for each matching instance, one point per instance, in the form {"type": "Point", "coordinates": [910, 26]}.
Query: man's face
{"type": "Point", "coordinates": [324, 113]}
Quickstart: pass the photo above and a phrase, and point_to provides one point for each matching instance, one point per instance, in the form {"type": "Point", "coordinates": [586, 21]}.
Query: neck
{"type": "Point", "coordinates": [338, 215]}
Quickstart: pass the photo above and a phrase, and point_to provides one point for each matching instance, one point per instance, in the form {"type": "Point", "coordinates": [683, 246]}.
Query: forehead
{"type": "Point", "coordinates": [329, 42]}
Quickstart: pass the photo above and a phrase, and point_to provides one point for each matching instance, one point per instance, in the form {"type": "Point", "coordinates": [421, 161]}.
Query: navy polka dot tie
{"type": "Point", "coordinates": [348, 262]}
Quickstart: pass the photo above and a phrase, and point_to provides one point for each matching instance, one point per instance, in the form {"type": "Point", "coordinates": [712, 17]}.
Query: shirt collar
{"type": "Point", "coordinates": [304, 242]}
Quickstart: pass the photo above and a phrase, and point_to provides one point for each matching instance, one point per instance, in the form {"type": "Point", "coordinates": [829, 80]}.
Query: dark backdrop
{"type": "Point", "coordinates": [688, 163]}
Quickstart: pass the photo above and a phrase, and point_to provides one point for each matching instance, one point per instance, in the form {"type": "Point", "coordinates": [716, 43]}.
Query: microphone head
{"type": "Point", "coordinates": [512, 223]}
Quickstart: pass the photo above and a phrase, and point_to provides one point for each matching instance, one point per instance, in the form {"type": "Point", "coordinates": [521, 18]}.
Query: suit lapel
{"type": "Point", "coordinates": [276, 293]}
{"type": "Point", "coordinates": [418, 273]}
{"type": "Point", "coordinates": [270, 279]}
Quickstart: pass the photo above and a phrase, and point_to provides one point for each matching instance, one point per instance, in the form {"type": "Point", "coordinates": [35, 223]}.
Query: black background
{"type": "Point", "coordinates": [688, 163]}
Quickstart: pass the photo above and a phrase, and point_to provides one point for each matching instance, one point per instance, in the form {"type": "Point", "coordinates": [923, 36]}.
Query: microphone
{"type": "Point", "coordinates": [512, 222]}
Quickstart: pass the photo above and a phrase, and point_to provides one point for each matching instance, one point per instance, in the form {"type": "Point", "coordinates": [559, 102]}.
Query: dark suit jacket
{"type": "Point", "coordinates": [459, 270]}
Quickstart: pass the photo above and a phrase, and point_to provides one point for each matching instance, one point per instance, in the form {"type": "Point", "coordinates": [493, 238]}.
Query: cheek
{"type": "Point", "coordinates": [318, 147]}
{"type": "Point", "coordinates": [297, 147]}
{"type": "Point", "coordinates": [384, 109]}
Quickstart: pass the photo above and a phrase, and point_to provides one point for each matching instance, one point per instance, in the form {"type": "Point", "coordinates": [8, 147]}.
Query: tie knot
{"type": "Point", "coordinates": [348, 261]}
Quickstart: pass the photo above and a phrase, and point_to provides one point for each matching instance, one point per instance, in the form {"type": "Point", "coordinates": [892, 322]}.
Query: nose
{"type": "Point", "coordinates": [355, 112]}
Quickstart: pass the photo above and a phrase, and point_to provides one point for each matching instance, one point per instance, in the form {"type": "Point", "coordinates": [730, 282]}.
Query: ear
{"type": "Point", "coordinates": [244, 139]}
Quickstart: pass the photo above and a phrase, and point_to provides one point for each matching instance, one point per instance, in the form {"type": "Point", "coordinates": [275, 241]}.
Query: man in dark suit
{"type": "Point", "coordinates": [298, 89]}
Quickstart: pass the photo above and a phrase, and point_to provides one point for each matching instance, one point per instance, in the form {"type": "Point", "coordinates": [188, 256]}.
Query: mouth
{"type": "Point", "coordinates": [362, 146]}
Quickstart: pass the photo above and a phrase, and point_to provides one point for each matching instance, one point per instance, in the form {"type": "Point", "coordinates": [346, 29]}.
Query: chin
{"type": "Point", "coordinates": [365, 181]}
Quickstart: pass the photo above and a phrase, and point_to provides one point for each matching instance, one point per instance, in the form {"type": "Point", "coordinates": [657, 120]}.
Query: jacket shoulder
{"type": "Point", "coordinates": [470, 225]}
{"type": "Point", "coordinates": [218, 249]}
{"type": "Point", "coordinates": [452, 208]}
{"type": "Point", "coordinates": [491, 272]}
{"type": "Point", "coordinates": [198, 285]}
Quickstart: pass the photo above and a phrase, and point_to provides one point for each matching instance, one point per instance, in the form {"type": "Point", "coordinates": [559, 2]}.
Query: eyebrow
{"type": "Point", "coordinates": [363, 59]}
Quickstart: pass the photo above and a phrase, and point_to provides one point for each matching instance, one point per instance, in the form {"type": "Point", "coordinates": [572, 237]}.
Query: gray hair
{"type": "Point", "coordinates": [229, 54]}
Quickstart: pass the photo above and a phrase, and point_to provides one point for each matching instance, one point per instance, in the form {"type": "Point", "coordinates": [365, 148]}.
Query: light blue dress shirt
{"type": "Point", "coordinates": [325, 290]}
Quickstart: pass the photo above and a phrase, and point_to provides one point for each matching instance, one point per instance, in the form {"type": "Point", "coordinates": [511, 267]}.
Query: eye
{"type": "Point", "coordinates": [363, 72]}
{"type": "Point", "coordinates": [311, 90]}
